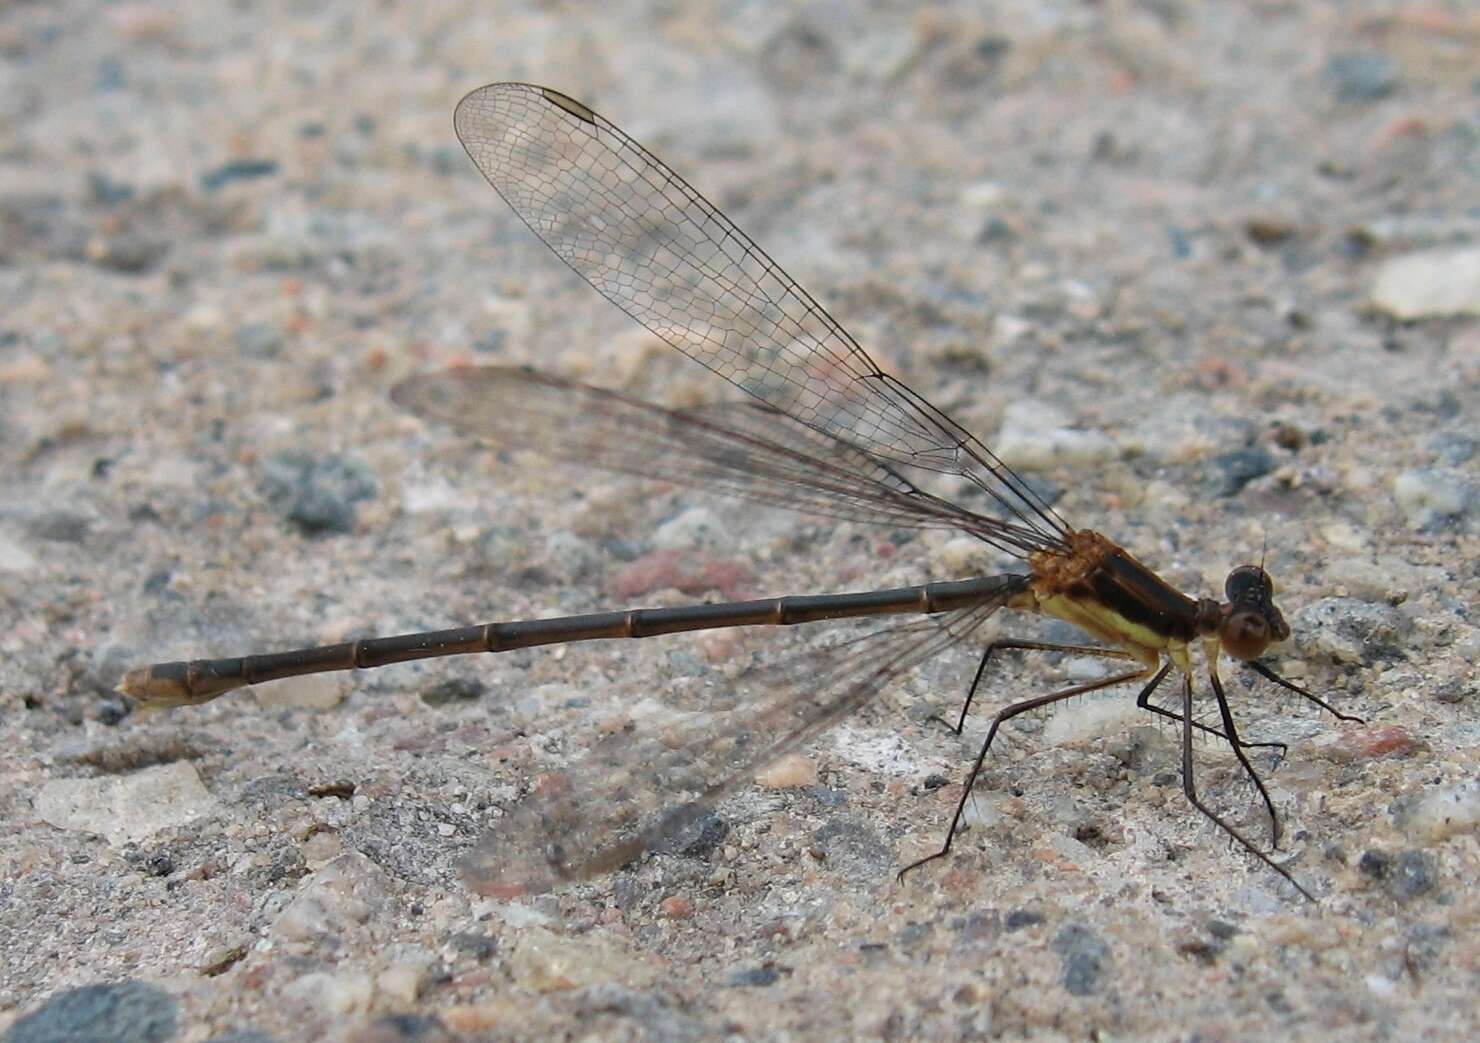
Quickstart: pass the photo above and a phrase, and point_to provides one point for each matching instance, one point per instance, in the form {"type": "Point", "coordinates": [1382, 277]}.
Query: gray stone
{"type": "Point", "coordinates": [1358, 76]}
{"type": "Point", "coordinates": [119, 1012]}
{"type": "Point", "coordinates": [1347, 630]}
{"type": "Point", "coordinates": [1085, 958]}
{"type": "Point", "coordinates": [851, 846]}
{"type": "Point", "coordinates": [317, 495]}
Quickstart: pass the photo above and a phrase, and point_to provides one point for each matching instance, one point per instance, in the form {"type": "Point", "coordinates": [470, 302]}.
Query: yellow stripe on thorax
{"type": "Point", "coordinates": [1113, 628]}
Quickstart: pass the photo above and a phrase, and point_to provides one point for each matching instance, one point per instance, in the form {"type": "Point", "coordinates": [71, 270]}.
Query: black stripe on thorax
{"type": "Point", "coordinates": [1140, 596]}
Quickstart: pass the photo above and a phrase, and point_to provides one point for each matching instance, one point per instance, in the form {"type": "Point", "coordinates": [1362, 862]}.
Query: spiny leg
{"type": "Point", "coordinates": [1226, 713]}
{"type": "Point", "coordinates": [1007, 714]}
{"type": "Point", "coordinates": [1266, 672]}
{"type": "Point", "coordinates": [1025, 646]}
{"type": "Point", "coordinates": [1144, 702]}
{"type": "Point", "coordinates": [1189, 788]}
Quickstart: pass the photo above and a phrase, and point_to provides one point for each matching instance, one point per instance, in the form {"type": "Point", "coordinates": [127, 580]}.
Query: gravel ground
{"type": "Point", "coordinates": [1209, 273]}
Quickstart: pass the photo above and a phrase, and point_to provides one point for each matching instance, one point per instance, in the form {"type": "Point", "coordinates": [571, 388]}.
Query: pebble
{"type": "Point", "coordinates": [1429, 284]}
{"type": "Point", "coordinates": [1345, 536]}
{"type": "Point", "coordinates": [340, 896]}
{"type": "Point", "coordinates": [576, 559]}
{"type": "Point", "coordinates": [1008, 329]}
{"type": "Point", "coordinates": [961, 556]}
{"type": "Point", "coordinates": [1372, 581]}
{"type": "Point", "coordinates": [480, 947]}
{"type": "Point", "coordinates": [1441, 812]}
{"type": "Point", "coordinates": [224, 949]}
{"type": "Point", "coordinates": [1091, 717]}
{"type": "Point", "coordinates": [690, 573]}
{"type": "Point", "coordinates": [983, 195]}
{"type": "Point", "coordinates": [683, 663]}
{"type": "Point", "coordinates": [333, 994]}
{"type": "Point", "coordinates": [204, 318]}
{"type": "Point", "coordinates": [699, 839]}
{"type": "Point", "coordinates": [1438, 499]}
{"type": "Point", "coordinates": [21, 369]}
{"type": "Point", "coordinates": [792, 771]}
{"type": "Point", "coordinates": [1453, 691]}
{"type": "Point", "coordinates": [994, 230]}
{"type": "Point", "coordinates": [1269, 229]}
{"type": "Point", "coordinates": [875, 751]}
{"type": "Point", "coordinates": [1369, 743]}
{"type": "Point", "coordinates": [1021, 918]}
{"type": "Point", "coordinates": [105, 191]}
{"type": "Point", "coordinates": [851, 846]}
{"type": "Point", "coordinates": [237, 170]}
{"type": "Point", "coordinates": [1406, 875]}
{"type": "Point", "coordinates": [548, 962]}
{"type": "Point", "coordinates": [1180, 430]}
{"type": "Point", "coordinates": [260, 340]}
{"type": "Point", "coordinates": [485, 1017]}
{"type": "Point", "coordinates": [316, 495]}
{"type": "Point", "coordinates": [1085, 958]}
{"type": "Point", "coordinates": [695, 527]}
{"type": "Point", "coordinates": [872, 50]}
{"type": "Point", "coordinates": [985, 809]}
{"type": "Point", "coordinates": [644, 1010]}
{"type": "Point", "coordinates": [510, 320]}
{"type": "Point", "coordinates": [118, 1012]}
{"type": "Point", "coordinates": [14, 558]}
{"type": "Point", "coordinates": [1036, 436]}
{"type": "Point", "coordinates": [754, 977]}
{"type": "Point", "coordinates": [1358, 76]}
{"type": "Point", "coordinates": [1454, 447]}
{"type": "Point", "coordinates": [1428, 230]}
{"type": "Point", "coordinates": [127, 252]}
{"type": "Point", "coordinates": [452, 691]}
{"type": "Point", "coordinates": [1240, 467]}
{"type": "Point", "coordinates": [401, 983]}
{"type": "Point", "coordinates": [1347, 630]}
{"type": "Point", "coordinates": [127, 808]}
{"type": "Point", "coordinates": [59, 526]}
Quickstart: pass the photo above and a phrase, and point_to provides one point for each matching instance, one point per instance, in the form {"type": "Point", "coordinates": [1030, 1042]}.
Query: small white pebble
{"type": "Point", "coordinates": [1444, 811]}
{"type": "Point", "coordinates": [1378, 985]}
{"type": "Point", "coordinates": [963, 556]}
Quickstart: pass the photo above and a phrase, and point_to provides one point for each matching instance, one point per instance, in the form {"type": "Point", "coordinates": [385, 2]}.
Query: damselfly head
{"type": "Point", "coordinates": [1250, 621]}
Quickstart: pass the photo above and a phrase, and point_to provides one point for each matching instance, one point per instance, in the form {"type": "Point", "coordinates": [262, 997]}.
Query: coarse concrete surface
{"type": "Point", "coordinates": [1207, 273]}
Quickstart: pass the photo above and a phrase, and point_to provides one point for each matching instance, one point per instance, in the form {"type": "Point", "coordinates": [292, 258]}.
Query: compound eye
{"type": "Point", "coordinates": [1245, 635]}
{"type": "Point", "coordinates": [1246, 581]}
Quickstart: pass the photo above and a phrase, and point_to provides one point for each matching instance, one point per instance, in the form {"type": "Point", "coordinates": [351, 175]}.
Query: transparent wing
{"type": "Point", "coordinates": [740, 449]}
{"type": "Point", "coordinates": [652, 245]}
{"type": "Point", "coordinates": [649, 786]}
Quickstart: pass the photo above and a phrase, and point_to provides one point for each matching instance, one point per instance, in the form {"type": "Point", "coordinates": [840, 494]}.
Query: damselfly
{"type": "Point", "coordinates": [827, 431]}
